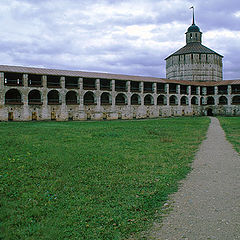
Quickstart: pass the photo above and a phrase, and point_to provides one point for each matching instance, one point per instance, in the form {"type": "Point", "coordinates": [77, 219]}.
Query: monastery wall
{"type": "Point", "coordinates": [119, 100]}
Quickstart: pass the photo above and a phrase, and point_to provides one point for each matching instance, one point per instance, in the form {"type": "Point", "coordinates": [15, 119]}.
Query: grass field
{"type": "Point", "coordinates": [231, 126]}
{"type": "Point", "coordinates": [91, 180]}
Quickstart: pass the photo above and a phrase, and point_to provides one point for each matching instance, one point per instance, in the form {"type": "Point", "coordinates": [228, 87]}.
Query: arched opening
{"type": "Point", "coordinates": [71, 98]}
{"type": "Point", "coordinates": [53, 116]}
{"type": "Point", "coordinates": [135, 99]}
{"type": "Point", "coordinates": [236, 100]}
{"type": "Point", "coordinates": [10, 116]}
{"type": "Point", "coordinates": [161, 100]}
{"type": "Point", "coordinates": [148, 100]}
{"type": "Point", "coordinates": [194, 101]}
{"type": "Point", "coordinates": [173, 100]}
{"type": "Point", "coordinates": [209, 112]}
{"type": "Point", "coordinates": [202, 102]}
{"type": "Point", "coordinates": [88, 98]}
{"type": "Point", "coordinates": [105, 99]}
{"type": "Point", "coordinates": [53, 97]}
{"type": "Point", "coordinates": [223, 100]}
{"type": "Point", "coordinates": [210, 101]}
{"type": "Point", "coordinates": [34, 97]}
{"type": "Point", "coordinates": [13, 96]}
{"type": "Point", "coordinates": [184, 100]}
{"type": "Point", "coordinates": [34, 116]}
{"type": "Point", "coordinates": [121, 99]}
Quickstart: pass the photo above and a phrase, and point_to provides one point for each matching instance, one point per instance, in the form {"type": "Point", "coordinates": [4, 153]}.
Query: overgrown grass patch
{"type": "Point", "coordinates": [231, 126]}
{"type": "Point", "coordinates": [91, 180]}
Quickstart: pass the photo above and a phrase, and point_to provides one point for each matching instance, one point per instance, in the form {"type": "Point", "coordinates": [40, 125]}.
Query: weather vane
{"type": "Point", "coordinates": [193, 14]}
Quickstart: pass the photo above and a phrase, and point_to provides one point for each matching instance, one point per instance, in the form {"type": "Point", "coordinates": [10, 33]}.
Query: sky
{"type": "Point", "coordinates": [130, 37]}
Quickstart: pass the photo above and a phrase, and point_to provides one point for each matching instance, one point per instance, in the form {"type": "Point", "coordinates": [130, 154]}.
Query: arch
{"type": "Point", "coordinates": [173, 100]}
{"type": "Point", "coordinates": [161, 100]}
{"type": "Point", "coordinates": [89, 98]}
{"type": "Point", "coordinates": [209, 112]}
{"type": "Point", "coordinates": [135, 99]}
{"type": "Point", "coordinates": [202, 102]}
{"type": "Point", "coordinates": [236, 100]}
{"type": "Point", "coordinates": [194, 101]}
{"type": "Point", "coordinates": [34, 97]}
{"type": "Point", "coordinates": [184, 100]}
{"type": "Point", "coordinates": [71, 98]}
{"type": "Point", "coordinates": [121, 99]}
{"type": "Point", "coordinates": [210, 101]}
{"type": "Point", "coordinates": [148, 100]}
{"type": "Point", "coordinates": [13, 96]}
{"type": "Point", "coordinates": [106, 99]}
{"type": "Point", "coordinates": [53, 97]}
{"type": "Point", "coordinates": [223, 100]}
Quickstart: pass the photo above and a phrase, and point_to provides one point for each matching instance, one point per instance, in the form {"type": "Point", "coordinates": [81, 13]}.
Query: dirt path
{"type": "Point", "coordinates": [207, 205]}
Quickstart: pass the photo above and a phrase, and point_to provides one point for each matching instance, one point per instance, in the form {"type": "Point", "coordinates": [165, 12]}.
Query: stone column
{"type": "Point", "coordinates": [141, 87]}
{"type": "Point", "coordinates": [2, 95]}
{"type": "Point", "coordinates": [189, 95]}
{"type": "Point", "coordinates": [229, 97]}
{"type": "Point", "coordinates": [44, 81]}
{"type": "Point", "coordinates": [154, 87]}
{"type": "Point", "coordinates": [80, 83]}
{"type": "Point", "coordinates": [229, 90]}
{"type": "Point", "coordinates": [204, 91]}
{"type": "Point", "coordinates": [113, 86]}
{"type": "Point", "coordinates": [128, 86]}
{"type": "Point", "coordinates": [25, 80]}
{"type": "Point", "coordinates": [98, 84]}
{"type": "Point", "coordinates": [62, 82]}
{"type": "Point", "coordinates": [198, 90]}
{"type": "Point", "coordinates": [178, 89]}
{"type": "Point", "coordinates": [167, 88]}
{"type": "Point", "coordinates": [98, 99]}
{"type": "Point", "coordinates": [215, 90]}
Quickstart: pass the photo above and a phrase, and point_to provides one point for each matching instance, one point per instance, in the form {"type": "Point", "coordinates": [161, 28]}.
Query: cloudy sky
{"type": "Point", "coordinates": [127, 37]}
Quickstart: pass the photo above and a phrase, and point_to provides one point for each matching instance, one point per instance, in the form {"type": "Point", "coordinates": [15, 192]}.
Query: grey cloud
{"type": "Point", "coordinates": [65, 34]}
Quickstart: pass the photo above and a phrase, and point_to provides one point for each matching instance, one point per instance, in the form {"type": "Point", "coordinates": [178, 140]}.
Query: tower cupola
{"type": "Point", "coordinates": [193, 33]}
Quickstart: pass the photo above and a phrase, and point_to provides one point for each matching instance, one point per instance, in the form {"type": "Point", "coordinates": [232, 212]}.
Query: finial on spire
{"type": "Point", "coordinates": [193, 23]}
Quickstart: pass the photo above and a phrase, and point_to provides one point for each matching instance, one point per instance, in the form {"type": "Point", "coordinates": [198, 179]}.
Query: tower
{"type": "Point", "coordinates": [194, 61]}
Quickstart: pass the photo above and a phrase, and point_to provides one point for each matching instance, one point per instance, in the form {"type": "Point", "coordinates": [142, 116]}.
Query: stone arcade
{"type": "Point", "coordinates": [193, 86]}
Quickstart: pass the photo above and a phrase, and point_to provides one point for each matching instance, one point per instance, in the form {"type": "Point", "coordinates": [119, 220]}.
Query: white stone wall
{"type": "Point", "coordinates": [96, 111]}
{"type": "Point", "coordinates": [194, 67]}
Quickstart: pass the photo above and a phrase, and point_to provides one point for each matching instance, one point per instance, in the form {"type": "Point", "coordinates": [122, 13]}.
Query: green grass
{"type": "Point", "coordinates": [91, 180]}
{"type": "Point", "coordinates": [231, 126]}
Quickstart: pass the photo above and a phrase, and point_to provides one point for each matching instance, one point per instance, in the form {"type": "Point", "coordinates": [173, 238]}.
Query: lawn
{"type": "Point", "coordinates": [91, 180]}
{"type": "Point", "coordinates": [231, 126]}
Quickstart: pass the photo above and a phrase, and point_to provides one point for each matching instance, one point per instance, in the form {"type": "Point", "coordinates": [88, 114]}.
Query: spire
{"type": "Point", "coordinates": [193, 33]}
{"type": "Point", "coordinates": [193, 21]}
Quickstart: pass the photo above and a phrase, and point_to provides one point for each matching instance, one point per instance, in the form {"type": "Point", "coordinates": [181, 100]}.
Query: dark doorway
{"type": "Point", "coordinates": [34, 116]}
{"type": "Point", "coordinates": [209, 112]}
{"type": "Point", "coordinates": [10, 116]}
{"type": "Point", "coordinates": [53, 116]}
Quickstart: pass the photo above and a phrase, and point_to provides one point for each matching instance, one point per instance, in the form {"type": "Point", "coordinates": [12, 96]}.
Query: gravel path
{"type": "Point", "coordinates": [207, 205]}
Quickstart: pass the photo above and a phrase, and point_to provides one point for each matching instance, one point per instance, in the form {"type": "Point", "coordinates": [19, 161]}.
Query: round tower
{"type": "Point", "coordinates": [194, 62]}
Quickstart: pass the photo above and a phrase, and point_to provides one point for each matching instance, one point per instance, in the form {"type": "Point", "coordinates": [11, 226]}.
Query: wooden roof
{"type": "Point", "coordinates": [194, 47]}
{"type": "Point", "coordinates": [110, 76]}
